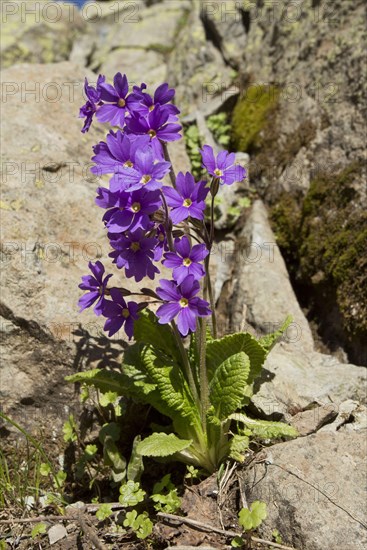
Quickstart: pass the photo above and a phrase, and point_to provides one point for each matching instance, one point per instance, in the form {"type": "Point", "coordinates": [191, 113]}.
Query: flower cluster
{"type": "Point", "coordinates": [147, 222]}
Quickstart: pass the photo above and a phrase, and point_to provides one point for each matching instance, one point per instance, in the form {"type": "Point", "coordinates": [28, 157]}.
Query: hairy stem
{"type": "Point", "coordinates": [186, 363]}
{"type": "Point", "coordinates": [211, 296]}
{"type": "Point", "coordinates": [203, 375]}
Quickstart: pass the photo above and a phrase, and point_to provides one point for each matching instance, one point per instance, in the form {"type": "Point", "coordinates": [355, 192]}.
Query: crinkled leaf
{"type": "Point", "coordinates": [111, 429]}
{"type": "Point", "coordinates": [218, 351]}
{"type": "Point", "coordinates": [238, 445]}
{"type": "Point", "coordinates": [265, 429]}
{"type": "Point", "coordinates": [161, 444]}
{"type": "Point", "coordinates": [104, 512]}
{"type": "Point", "coordinates": [269, 341]}
{"type": "Point", "coordinates": [148, 331]}
{"type": "Point", "coordinates": [228, 384]}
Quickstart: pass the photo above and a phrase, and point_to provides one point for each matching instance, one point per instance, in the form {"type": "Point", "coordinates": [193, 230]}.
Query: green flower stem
{"type": "Point", "coordinates": [186, 363]}
{"type": "Point", "coordinates": [172, 174]}
{"type": "Point", "coordinates": [203, 375]}
{"type": "Point", "coordinates": [211, 296]}
{"type": "Point", "coordinates": [167, 224]}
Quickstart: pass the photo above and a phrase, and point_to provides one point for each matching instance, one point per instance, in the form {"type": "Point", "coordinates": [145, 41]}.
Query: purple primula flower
{"type": "Point", "coordinates": [185, 261]}
{"type": "Point", "coordinates": [96, 286]}
{"type": "Point", "coordinates": [120, 314]}
{"type": "Point", "coordinates": [188, 199]}
{"type": "Point", "coordinates": [135, 252]}
{"type": "Point", "coordinates": [128, 211]}
{"type": "Point", "coordinates": [93, 100]}
{"type": "Point", "coordinates": [223, 167]}
{"type": "Point", "coordinates": [120, 102]}
{"type": "Point", "coordinates": [147, 173]}
{"type": "Point", "coordinates": [118, 152]}
{"type": "Point", "coordinates": [162, 96]}
{"type": "Point", "coordinates": [156, 125]}
{"type": "Point", "coordinates": [181, 303]}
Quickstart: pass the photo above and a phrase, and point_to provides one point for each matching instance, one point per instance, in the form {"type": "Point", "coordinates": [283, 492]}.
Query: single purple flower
{"type": "Point", "coordinates": [128, 211]}
{"type": "Point", "coordinates": [120, 314]}
{"type": "Point", "coordinates": [135, 252]}
{"type": "Point", "coordinates": [156, 125]}
{"type": "Point", "coordinates": [182, 303]}
{"type": "Point", "coordinates": [185, 261]}
{"type": "Point", "coordinates": [188, 199]}
{"type": "Point", "coordinates": [146, 173]}
{"type": "Point", "coordinates": [116, 153]}
{"type": "Point", "coordinates": [96, 286]}
{"type": "Point", "coordinates": [93, 99]}
{"type": "Point", "coordinates": [223, 167]}
{"type": "Point", "coordinates": [162, 96]}
{"type": "Point", "coordinates": [120, 102]}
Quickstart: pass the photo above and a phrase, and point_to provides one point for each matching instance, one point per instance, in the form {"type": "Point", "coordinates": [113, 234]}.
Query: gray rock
{"type": "Point", "coordinates": [196, 67]}
{"type": "Point", "coordinates": [315, 492]}
{"type": "Point", "coordinates": [56, 532]}
{"type": "Point", "coordinates": [37, 32]}
{"type": "Point", "coordinates": [262, 293]}
{"type": "Point", "coordinates": [294, 380]}
{"type": "Point", "coordinates": [138, 64]}
{"type": "Point", "coordinates": [225, 24]}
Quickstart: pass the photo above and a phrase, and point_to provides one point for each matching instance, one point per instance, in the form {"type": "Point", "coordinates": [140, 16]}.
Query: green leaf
{"type": "Point", "coordinates": [251, 518]}
{"type": "Point", "coordinates": [140, 524]}
{"type": "Point", "coordinates": [45, 469]}
{"type": "Point", "coordinates": [107, 398]}
{"type": "Point", "coordinates": [161, 444]}
{"type": "Point", "coordinates": [112, 429]}
{"type": "Point", "coordinates": [103, 379]}
{"type": "Point", "coordinates": [265, 429]}
{"type": "Point", "coordinates": [237, 542]}
{"type": "Point", "coordinates": [60, 479]}
{"type": "Point", "coordinates": [269, 341]}
{"type": "Point", "coordinates": [90, 451]}
{"type": "Point", "coordinates": [38, 529]}
{"type": "Point", "coordinates": [219, 350]}
{"type": "Point", "coordinates": [228, 384]}
{"type": "Point", "coordinates": [69, 430]}
{"type": "Point", "coordinates": [136, 466]}
{"type": "Point", "coordinates": [113, 457]}
{"type": "Point", "coordinates": [104, 512]}
{"type": "Point", "coordinates": [165, 496]}
{"type": "Point", "coordinates": [149, 331]}
{"type": "Point", "coordinates": [238, 444]}
{"type": "Point", "coordinates": [131, 494]}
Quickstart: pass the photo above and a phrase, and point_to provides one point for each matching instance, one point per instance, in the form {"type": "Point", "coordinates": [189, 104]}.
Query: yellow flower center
{"type": "Point", "coordinates": [152, 133]}
{"type": "Point", "coordinates": [151, 108]}
{"type": "Point", "coordinates": [184, 302]}
{"type": "Point", "coordinates": [121, 102]}
{"type": "Point", "coordinates": [136, 207]}
{"type": "Point", "coordinates": [187, 202]}
{"type": "Point", "coordinates": [128, 164]}
{"type": "Point", "coordinates": [135, 246]}
{"type": "Point", "coordinates": [187, 262]}
{"type": "Point", "coordinates": [145, 179]}
{"type": "Point", "coordinates": [125, 313]}
{"type": "Point", "coordinates": [161, 237]}
{"type": "Point", "coordinates": [218, 172]}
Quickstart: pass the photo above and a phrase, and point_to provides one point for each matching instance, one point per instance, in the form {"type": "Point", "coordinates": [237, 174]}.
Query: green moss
{"type": "Point", "coordinates": [325, 238]}
{"type": "Point", "coordinates": [250, 116]}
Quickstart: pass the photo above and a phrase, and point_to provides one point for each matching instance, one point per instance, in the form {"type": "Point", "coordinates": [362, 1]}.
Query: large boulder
{"type": "Point", "coordinates": [37, 32]}
{"type": "Point", "coordinates": [315, 491]}
{"type": "Point", "coordinates": [306, 139]}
